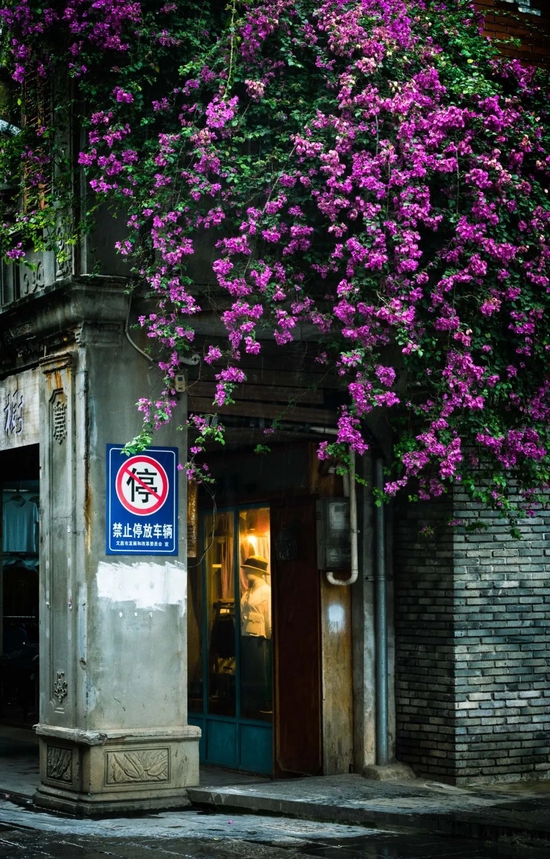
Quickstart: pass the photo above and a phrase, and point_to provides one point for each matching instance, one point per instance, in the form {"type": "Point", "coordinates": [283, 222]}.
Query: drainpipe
{"type": "Point", "coordinates": [381, 626]}
{"type": "Point", "coordinates": [380, 586]}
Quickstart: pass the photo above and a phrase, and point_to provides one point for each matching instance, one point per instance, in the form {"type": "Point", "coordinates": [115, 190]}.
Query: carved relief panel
{"type": "Point", "coordinates": [137, 766]}
{"type": "Point", "coordinates": [59, 418]}
{"type": "Point", "coordinates": [59, 764]}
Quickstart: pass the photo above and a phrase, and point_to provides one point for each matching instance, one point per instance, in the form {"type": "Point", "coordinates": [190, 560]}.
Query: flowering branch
{"type": "Point", "coordinates": [373, 169]}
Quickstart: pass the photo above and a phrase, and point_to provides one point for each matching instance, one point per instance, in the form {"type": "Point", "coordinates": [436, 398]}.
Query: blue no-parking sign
{"type": "Point", "coordinates": [142, 501]}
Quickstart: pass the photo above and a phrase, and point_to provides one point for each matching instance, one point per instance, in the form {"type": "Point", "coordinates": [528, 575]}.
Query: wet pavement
{"type": "Point", "coordinates": [249, 817]}
{"type": "Point", "coordinates": [27, 834]}
{"type": "Point", "coordinates": [401, 846]}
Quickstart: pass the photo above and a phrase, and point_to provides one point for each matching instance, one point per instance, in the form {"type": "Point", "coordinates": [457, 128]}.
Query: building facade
{"type": "Point", "coordinates": [436, 656]}
{"type": "Point", "coordinates": [302, 631]}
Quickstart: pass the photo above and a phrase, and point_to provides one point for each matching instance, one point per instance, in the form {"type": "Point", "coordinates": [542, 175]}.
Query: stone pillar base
{"type": "Point", "coordinates": [97, 773]}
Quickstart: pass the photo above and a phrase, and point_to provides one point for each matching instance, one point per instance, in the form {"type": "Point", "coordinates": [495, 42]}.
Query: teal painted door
{"type": "Point", "coordinates": [230, 643]}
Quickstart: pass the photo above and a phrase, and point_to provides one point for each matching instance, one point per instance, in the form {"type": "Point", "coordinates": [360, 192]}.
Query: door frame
{"type": "Point", "coordinates": [227, 740]}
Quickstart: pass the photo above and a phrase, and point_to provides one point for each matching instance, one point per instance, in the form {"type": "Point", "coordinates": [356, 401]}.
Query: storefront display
{"type": "Point", "coordinates": [230, 639]}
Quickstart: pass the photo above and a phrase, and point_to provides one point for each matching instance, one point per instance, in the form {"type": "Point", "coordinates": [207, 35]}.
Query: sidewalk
{"type": "Point", "coordinates": [517, 812]}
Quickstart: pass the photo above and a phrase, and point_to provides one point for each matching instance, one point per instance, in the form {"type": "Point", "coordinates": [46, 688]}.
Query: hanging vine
{"type": "Point", "coordinates": [371, 169]}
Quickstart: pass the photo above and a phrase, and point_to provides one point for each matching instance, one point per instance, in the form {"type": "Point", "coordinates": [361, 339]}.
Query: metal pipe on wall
{"type": "Point", "coordinates": [381, 625]}
{"type": "Point", "coordinates": [354, 533]}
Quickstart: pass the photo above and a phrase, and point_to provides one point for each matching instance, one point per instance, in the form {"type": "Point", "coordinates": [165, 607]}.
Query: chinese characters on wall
{"type": "Point", "coordinates": [13, 412]}
{"type": "Point", "coordinates": [20, 413]}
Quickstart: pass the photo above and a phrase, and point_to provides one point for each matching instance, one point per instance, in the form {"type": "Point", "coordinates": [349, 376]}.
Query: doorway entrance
{"type": "Point", "coordinates": [230, 640]}
{"type": "Point", "coordinates": [254, 637]}
{"type": "Point", "coordinates": [19, 660]}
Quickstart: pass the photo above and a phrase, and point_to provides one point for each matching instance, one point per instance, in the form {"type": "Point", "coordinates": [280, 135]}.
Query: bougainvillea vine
{"type": "Point", "coordinates": [370, 169]}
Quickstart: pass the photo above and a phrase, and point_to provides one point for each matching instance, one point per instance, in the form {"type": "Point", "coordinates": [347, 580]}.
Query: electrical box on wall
{"type": "Point", "coordinates": [180, 383]}
{"type": "Point", "coordinates": [333, 534]}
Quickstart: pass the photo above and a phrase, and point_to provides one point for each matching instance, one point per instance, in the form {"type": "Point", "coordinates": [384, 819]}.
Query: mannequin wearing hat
{"type": "Point", "coordinates": [256, 639]}
{"type": "Point", "coordinates": [256, 600]}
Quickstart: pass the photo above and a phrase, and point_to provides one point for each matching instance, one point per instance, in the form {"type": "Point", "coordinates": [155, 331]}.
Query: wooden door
{"type": "Point", "coordinates": [297, 639]}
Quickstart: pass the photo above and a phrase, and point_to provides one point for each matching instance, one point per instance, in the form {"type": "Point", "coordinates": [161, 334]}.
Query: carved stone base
{"type": "Point", "coordinates": [88, 773]}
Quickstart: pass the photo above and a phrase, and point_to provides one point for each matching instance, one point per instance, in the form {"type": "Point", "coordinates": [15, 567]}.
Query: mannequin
{"type": "Point", "coordinates": [256, 640]}
{"type": "Point", "coordinates": [256, 600]}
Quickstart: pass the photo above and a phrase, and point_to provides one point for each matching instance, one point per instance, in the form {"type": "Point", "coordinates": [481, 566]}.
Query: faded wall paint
{"type": "Point", "coordinates": [363, 631]}
{"type": "Point", "coordinates": [136, 605]}
{"type": "Point", "coordinates": [146, 585]}
{"type": "Point", "coordinates": [337, 691]}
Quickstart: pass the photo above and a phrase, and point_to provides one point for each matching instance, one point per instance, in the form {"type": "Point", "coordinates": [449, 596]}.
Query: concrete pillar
{"type": "Point", "coordinates": [113, 690]}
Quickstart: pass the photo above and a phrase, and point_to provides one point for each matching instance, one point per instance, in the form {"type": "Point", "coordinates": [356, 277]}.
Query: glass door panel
{"type": "Point", "coordinates": [220, 593]}
{"type": "Point", "coordinates": [230, 642]}
{"type": "Point", "coordinates": [256, 646]}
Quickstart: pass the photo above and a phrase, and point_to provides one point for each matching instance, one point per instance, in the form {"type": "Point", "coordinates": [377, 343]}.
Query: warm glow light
{"type": "Point", "coordinates": [253, 540]}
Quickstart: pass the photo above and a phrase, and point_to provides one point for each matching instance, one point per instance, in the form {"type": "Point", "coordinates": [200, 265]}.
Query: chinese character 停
{"type": "Point", "coordinates": [142, 485]}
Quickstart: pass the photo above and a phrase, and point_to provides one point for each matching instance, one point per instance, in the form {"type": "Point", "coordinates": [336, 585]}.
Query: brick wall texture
{"type": "Point", "coordinates": [525, 21]}
{"type": "Point", "coordinates": [472, 646]}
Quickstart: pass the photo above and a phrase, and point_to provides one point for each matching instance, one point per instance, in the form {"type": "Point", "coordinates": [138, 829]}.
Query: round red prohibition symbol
{"type": "Point", "coordinates": [142, 485]}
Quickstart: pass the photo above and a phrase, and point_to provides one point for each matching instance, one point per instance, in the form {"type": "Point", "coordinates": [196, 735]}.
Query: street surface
{"type": "Point", "coordinates": [28, 834]}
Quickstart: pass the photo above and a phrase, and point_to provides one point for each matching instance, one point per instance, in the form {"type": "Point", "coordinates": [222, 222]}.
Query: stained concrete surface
{"type": "Point", "coordinates": [344, 807]}
{"type": "Point", "coordinates": [27, 834]}
{"type": "Point", "coordinates": [485, 812]}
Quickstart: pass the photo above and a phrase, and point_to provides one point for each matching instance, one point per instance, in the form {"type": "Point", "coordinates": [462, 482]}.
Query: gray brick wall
{"type": "Point", "coordinates": [472, 646]}
{"type": "Point", "coordinates": [424, 623]}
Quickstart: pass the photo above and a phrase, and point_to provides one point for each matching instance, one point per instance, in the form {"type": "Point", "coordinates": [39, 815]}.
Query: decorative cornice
{"type": "Point", "coordinates": [57, 317]}
{"type": "Point", "coordinates": [57, 362]}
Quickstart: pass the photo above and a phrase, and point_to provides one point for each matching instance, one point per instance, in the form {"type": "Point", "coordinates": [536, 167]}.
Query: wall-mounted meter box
{"type": "Point", "coordinates": [180, 383]}
{"type": "Point", "coordinates": [333, 534]}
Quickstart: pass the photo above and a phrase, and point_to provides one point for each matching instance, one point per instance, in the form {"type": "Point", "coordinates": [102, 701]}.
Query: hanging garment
{"type": "Point", "coordinates": [20, 524]}
{"type": "Point", "coordinates": [256, 662]}
{"type": "Point", "coordinates": [223, 635]}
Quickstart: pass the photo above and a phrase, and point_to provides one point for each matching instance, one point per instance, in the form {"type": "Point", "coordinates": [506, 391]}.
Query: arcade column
{"type": "Point", "coordinates": [113, 691]}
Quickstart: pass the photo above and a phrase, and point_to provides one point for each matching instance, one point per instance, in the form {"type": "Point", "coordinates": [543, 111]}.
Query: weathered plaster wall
{"type": "Point", "coordinates": [135, 625]}
{"type": "Point", "coordinates": [364, 734]}
{"type": "Point", "coordinates": [113, 706]}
